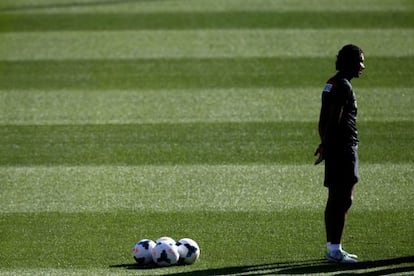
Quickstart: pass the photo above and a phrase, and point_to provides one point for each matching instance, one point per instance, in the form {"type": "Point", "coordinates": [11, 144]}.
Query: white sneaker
{"type": "Point", "coordinates": [340, 256]}
{"type": "Point", "coordinates": [353, 256]}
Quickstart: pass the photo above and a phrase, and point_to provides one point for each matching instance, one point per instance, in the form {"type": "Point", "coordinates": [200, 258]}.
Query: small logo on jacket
{"type": "Point", "coordinates": [327, 87]}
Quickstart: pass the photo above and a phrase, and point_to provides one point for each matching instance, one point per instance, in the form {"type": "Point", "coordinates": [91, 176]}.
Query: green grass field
{"type": "Point", "coordinates": [123, 120]}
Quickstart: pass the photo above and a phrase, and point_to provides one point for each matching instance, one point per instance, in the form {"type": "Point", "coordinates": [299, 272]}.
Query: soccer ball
{"type": "Point", "coordinates": [165, 254]}
{"type": "Point", "coordinates": [188, 250]}
{"type": "Point", "coordinates": [142, 251]}
{"type": "Point", "coordinates": [165, 239]}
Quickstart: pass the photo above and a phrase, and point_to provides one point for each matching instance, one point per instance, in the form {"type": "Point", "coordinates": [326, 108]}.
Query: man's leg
{"type": "Point", "coordinates": [337, 206]}
{"type": "Point", "coordinates": [336, 210]}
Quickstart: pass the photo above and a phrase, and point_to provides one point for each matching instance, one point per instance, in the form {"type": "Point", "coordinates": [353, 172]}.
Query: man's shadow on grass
{"type": "Point", "coordinates": [382, 267]}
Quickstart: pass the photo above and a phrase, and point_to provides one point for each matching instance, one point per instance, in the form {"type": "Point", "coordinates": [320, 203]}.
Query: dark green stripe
{"type": "Point", "coordinates": [68, 240]}
{"type": "Point", "coordinates": [204, 20]}
{"type": "Point", "coordinates": [28, 6]}
{"type": "Point", "coordinates": [196, 73]}
{"type": "Point", "coordinates": [198, 143]}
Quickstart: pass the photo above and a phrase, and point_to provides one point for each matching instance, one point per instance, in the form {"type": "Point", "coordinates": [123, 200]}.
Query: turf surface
{"type": "Point", "coordinates": [123, 120]}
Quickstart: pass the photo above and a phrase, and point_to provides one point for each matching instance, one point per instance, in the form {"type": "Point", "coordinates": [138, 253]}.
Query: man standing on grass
{"type": "Point", "coordinates": [339, 144]}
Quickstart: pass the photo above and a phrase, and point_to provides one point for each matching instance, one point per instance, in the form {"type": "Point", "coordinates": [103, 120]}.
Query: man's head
{"type": "Point", "coordinates": [350, 61]}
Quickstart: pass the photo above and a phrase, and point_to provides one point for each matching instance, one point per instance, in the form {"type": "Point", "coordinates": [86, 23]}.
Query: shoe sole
{"type": "Point", "coordinates": [342, 261]}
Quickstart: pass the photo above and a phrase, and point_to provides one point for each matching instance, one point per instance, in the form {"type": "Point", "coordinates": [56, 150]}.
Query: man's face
{"type": "Point", "coordinates": [360, 66]}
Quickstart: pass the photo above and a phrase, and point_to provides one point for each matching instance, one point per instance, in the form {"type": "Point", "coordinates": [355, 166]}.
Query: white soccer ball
{"type": "Point", "coordinates": [188, 250]}
{"type": "Point", "coordinates": [142, 251]}
{"type": "Point", "coordinates": [165, 254]}
{"type": "Point", "coordinates": [166, 240]}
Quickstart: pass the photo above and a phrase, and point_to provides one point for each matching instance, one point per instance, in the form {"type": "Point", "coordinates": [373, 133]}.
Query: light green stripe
{"type": "Point", "coordinates": [34, 107]}
{"type": "Point", "coordinates": [161, 188]}
{"type": "Point", "coordinates": [70, 271]}
{"type": "Point", "coordinates": [192, 188]}
{"type": "Point", "coordinates": [202, 44]}
{"type": "Point", "coordinates": [202, 5]}
{"type": "Point", "coordinates": [157, 106]}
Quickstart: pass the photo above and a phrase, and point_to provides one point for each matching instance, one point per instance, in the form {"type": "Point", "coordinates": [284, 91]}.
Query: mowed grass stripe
{"type": "Point", "coordinates": [128, 6]}
{"type": "Point", "coordinates": [60, 240]}
{"type": "Point", "coordinates": [195, 73]}
{"type": "Point", "coordinates": [205, 20]}
{"type": "Point", "coordinates": [71, 107]}
{"type": "Point", "coordinates": [202, 143]}
{"type": "Point", "coordinates": [240, 43]}
{"type": "Point", "coordinates": [183, 188]}
{"type": "Point", "coordinates": [194, 188]}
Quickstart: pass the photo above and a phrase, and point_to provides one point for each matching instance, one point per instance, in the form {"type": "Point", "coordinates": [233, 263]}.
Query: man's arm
{"type": "Point", "coordinates": [329, 120]}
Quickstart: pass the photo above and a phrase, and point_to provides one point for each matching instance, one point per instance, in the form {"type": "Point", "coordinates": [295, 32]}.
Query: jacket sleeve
{"type": "Point", "coordinates": [331, 113]}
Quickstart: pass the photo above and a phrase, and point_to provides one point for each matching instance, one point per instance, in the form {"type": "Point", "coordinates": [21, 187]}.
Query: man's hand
{"type": "Point", "coordinates": [319, 153]}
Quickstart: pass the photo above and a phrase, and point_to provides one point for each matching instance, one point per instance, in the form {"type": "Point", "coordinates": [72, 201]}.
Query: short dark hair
{"type": "Point", "coordinates": [348, 58]}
